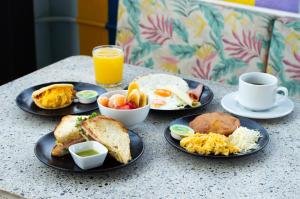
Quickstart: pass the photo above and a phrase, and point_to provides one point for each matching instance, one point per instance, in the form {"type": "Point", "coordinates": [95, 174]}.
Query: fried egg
{"type": "Point", "coordinates": [157, 87]}
{"type": "Point", "coordinates": [164, 99]}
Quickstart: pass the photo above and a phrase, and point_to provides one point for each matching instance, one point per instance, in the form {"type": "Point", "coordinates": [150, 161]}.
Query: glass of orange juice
{"type": "Point", "coordinates": [108, 65]}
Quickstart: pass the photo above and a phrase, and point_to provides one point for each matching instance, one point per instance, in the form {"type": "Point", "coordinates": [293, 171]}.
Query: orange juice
{"type": "Point", "coordinates": [108, 65]}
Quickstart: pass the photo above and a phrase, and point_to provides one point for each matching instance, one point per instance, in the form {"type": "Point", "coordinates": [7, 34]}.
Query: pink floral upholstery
{"type": "Point", "coordinates": [194, 38]}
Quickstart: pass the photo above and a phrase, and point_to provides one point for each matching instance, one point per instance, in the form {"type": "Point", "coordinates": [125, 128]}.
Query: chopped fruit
{"type": "Point", "coordinates": [131, 87]}
{"type": "Point", "coordinates": [116, 100]}
{"type": "Point", "coordinates": [128, 105]}
{"type": "Point", "coordinates": [103, 101]}
{"type": "Point", "coordinates": [131, 105]}
{"type": "Point", "coordinates": [124, 107]}
{"type": "Point", "coordinates": [163, 92]}
{"type": "Point", "coordinates": [134, 97]}
{"type": "Point", "coordinates": [156, 103]}
{"type": "Point", "coordinates": [143, 99]}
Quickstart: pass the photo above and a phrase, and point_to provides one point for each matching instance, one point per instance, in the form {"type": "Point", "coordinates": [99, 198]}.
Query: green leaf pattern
{"type": "Point", "coordinates": [184, 49]}
{"type": "Point", "coordinates": [185, 7]}
{"type": "Point", "coordinates": [280, 51]}
{"type": "Point", "coordinates": [179, 28]}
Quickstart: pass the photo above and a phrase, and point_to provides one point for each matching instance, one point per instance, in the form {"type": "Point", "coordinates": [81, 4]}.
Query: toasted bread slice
{"type": "Point", "coordinates": [67, 130]}
{"type": "Point", "coordinates": [112, 134]}
{"type": "Point", "coordinates": [66, 134]}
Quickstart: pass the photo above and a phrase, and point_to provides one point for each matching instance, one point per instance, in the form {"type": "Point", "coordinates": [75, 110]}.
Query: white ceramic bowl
{"type": "Point", "coordinates": [88, 162]}
{"type": "Point", "coordinates": [128, 117]}
{"type": "Point", "coordinates": [178, 135]}
{"type": "Point", "coordinates": [86, 100]}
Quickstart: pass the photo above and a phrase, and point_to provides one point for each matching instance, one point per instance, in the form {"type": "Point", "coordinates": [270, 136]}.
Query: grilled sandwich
{"type": "Point", "coordinates": [112, 134]}
{"type": "Point", "coordinates": [67, 133]}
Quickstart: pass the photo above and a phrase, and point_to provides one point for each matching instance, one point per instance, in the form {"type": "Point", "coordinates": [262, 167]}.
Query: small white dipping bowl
{"type": "Point", "coordinates": [88, 162]}
{"type": "Point", "coordinates": [128, 117]}
{"type": "Point", "coordinates": [84, 99]}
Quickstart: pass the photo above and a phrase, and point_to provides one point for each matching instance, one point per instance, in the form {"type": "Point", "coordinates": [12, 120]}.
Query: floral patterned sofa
{"type": "Point", "coordinates": [206, 40]}
{"type": "Point", "coordinates": [284, 54]}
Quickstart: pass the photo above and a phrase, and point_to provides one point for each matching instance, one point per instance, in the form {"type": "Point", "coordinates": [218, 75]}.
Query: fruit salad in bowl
{"type": "Point", "coordinates": [128, 106]}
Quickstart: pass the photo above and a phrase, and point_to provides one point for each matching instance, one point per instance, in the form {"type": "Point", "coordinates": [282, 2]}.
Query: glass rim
{"type": "Point", "coordinates": [108, 46]}
{"type": "Point", "coordinates": [119, 48]}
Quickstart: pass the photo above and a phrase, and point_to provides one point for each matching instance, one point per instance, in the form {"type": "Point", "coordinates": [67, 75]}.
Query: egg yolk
{"type": "Point", "coordinates": [163, 92]}
{"type": "Point", "coordinates": [156, 103]}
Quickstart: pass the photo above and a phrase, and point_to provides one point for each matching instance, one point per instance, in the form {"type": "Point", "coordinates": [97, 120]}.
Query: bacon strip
{"type": "Point", "coordinates": [196, 92]}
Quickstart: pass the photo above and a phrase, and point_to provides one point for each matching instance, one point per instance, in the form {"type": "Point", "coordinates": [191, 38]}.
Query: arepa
{"type": "Point", "coordinates": [54, 96]}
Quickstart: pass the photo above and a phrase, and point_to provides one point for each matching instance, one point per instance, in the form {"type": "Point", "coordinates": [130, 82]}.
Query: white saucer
{"type": "Point", "coordinates": [230, 104]}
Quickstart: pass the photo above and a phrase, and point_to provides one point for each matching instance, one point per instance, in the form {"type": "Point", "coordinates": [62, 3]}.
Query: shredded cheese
{"type": "Point", "coordinates": [244, 138]}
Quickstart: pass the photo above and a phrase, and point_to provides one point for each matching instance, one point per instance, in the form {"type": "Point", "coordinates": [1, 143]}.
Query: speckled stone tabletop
{"type": "Point", "coordinates": [162, 171]}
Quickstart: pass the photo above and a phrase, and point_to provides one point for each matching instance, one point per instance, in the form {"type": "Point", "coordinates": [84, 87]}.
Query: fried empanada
{"type": "Point", "coordinates": [216, 122]}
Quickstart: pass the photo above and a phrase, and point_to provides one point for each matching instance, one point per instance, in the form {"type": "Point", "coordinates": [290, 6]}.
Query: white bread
{"type": "Point", "coordinates": [66, 133]}
{"type": "Point", "coordinates": [112, 134]}
{"type": "Point", "coordinates": [67, 130]}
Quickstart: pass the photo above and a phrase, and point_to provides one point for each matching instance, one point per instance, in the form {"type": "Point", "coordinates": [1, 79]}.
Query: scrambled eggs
{"type": "Point", "coordinates": [211, 143]}
{"type": "Point", "coordinates": [54, 96]}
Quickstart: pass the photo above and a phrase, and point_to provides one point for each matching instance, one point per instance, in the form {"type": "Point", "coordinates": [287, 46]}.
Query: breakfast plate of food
{"type": "Point", "coordinates": [59, 98]}
{"type": "Point", "coordinates": [89, 143]}
{"type": "Point", "coordinates": [216, 135]}
{"type": "Point", "coordinates": [172, 93]}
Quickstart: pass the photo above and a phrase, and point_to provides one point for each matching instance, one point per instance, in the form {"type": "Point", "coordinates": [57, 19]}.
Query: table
{"type": "Point", "coordinates": [162, 171]}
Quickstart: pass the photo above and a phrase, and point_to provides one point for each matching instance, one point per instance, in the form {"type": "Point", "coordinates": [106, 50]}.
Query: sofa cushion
{"type": "Point", "coordinates": [194, 38]}
{"type": "Point", "coordinates": [284, 55]}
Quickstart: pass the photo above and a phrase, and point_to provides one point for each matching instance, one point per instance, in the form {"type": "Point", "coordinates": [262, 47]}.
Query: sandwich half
{"type": "Point", "coordinates": [112, 134]}
{"type": "Point", "coordinates": [67, 133]}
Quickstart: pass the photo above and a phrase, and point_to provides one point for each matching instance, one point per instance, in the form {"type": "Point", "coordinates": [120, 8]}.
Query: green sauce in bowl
{"type": "Point", "coordinates": [86, 96]}
{"type": "Point", "coordinates": [86, 153]}
{"type": "Point", "coordinates": [179, 131]}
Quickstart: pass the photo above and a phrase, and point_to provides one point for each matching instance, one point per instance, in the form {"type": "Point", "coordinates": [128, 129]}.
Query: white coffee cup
{"type": "Point", "coordinates": [258, 91]}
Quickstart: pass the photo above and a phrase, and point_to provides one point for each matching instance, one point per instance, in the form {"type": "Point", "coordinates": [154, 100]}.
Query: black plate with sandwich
{"type": "Point", "coordinates": [173, 93]}
{"type": "Point", "coordinates": [52, 148]}
{"type": "Point", "coordinates": [243, 122]}
{"type": "Point", "coordinates": [25, 100]}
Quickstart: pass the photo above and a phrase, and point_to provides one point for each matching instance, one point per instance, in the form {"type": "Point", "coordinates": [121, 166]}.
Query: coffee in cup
{"type": "Point", "coordinates": [258, 91]}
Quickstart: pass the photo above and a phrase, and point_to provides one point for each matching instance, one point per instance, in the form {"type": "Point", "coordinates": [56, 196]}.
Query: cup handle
{"type": "Point", "coordinates": [283, 97]}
